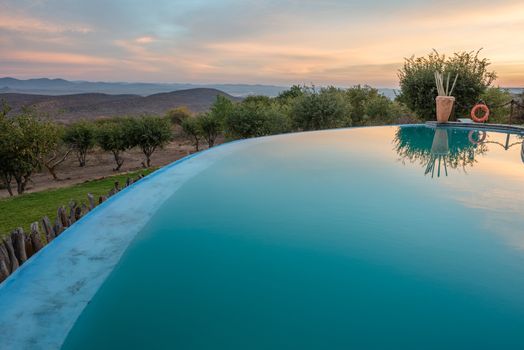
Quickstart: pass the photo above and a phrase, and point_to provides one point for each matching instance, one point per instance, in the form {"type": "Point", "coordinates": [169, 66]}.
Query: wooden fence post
{"type": "Point", "coordinates": [18, 241]}
{"type": "Point", "coordinates": [48, 229]}
{"type": "Point", "coordinates": [8, 244]}
{"type": "Point", "coordinates": [36, 237]}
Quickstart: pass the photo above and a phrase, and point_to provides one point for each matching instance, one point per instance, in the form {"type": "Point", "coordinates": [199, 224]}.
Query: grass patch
{"type": "Point", "coordinates": [21, 211]}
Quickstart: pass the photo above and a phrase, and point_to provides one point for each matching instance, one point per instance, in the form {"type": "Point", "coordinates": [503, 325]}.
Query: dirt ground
{"type": "Point", "coordinates": [100, 164]}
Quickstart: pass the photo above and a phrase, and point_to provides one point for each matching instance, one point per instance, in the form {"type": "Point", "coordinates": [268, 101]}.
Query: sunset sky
{"type": "Point", "coordinates": [340, 42]}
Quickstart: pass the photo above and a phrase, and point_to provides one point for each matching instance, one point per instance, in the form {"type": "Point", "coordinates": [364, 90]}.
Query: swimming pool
{"type": "Point", "coordinates": [384, 237]}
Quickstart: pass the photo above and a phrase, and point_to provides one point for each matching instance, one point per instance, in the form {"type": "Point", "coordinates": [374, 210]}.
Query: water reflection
{"type": "Point", "coordinates": [438, 149]}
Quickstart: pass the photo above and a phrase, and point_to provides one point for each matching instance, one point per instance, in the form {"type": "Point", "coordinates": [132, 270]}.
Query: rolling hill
{"type": "Point", "coordinates": [67, 108]}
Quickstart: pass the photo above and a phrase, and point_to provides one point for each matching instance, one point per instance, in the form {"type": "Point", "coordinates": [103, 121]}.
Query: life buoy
{"type": "Point", "coordinates": [474, 113]}
{"type": "Point", "coordinates": [481, 138]}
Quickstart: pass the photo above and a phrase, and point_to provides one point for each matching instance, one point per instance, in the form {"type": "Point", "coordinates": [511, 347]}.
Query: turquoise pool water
{"type": "Point", "coordinates": [388, 237]}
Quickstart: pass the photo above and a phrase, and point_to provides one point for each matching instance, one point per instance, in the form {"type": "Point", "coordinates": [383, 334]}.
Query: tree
{"type": "Point", "coordinates": [256, 117]}
{"type": "Point", "coordinates": [210, 127]}
{"type": "Point", "coordinates": [178, 115]}
{"type": "Point", "coordinates": [114, 136]}
{"type": "Point", "coordinates": [325, 109]}
{"type": "Point", "coordinates": [417, 82]}
{"type": "Point", "coordinates": [149, 133]}
{"type": "Point", "coordinates": [498, 101]}
{"type": "Point", "coordinates": [23, 143]}
{"type": "Point", "coordinates": [81, 137]}
{"type": "Point", "coordinates": [192, 129]}
{"type": "Point", "coordinates": [290, 94]}
{"type": "Point", "coordinates": [221, 108]}
{"type": "Point", "coordinates": [55, 151]}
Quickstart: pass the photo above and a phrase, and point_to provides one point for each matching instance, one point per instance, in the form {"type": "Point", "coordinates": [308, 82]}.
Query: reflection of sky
{"type": "Point", "coordinates": [493, 186]}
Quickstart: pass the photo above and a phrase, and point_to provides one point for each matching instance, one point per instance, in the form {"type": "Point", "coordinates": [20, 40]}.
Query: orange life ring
{"type": "Point", "coordinates": [481, 139]}
{"type": "Point", "coordinates": [474, 111]}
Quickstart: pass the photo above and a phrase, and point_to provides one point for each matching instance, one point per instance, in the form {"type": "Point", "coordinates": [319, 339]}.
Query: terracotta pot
{"type": "Point", "coordinates": [444, 108]}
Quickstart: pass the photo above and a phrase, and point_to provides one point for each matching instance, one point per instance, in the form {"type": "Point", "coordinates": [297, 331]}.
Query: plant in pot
{"type": "Point", "coordinates": [444, 99]}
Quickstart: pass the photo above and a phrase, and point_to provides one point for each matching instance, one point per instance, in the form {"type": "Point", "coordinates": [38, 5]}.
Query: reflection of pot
{"type": "Point", "coordinates": [444, 107]}
{"type": "Point", "coordinates": [440, 142]}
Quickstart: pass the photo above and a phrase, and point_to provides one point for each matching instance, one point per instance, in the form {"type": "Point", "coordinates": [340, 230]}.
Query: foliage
{"type": "Point", "coordinates": [115, 136]}
{"type": "Point", "coordinates": [414, 144]}
{"type": "Point", "coordinates": [55, 151]}
{"type": "Point", "coordinates": [256, 116]}
{"type": "Point", "coordinates": [292, 93]}
{"type": "Point", "coordinates": [221, 108]}
{"type": "Point", "coordinates": [24, 141]}
{"type": "Point", "coordinates": [149, 133]}
{"type": "Point", "coordinates": [81, 137]}
{"type": "Point", "coordinates": [210, 127]}
{"type": "Point", "coordinates": [31, 207]}
{"type": "Point", "coordinates": [192, 130]}
{"type": "Point", "coordinates": [178, 115]}
{"type": "Point", "coordinates": [327, 108]}
{"type": "Point", "coordinates": [417, 81]}
{"type": "Point", "coordinates": [497, 100]}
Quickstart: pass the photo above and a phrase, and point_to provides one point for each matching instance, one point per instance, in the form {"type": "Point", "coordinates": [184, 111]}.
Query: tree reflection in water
{"type": "Point", "coordinates": [438, 149]}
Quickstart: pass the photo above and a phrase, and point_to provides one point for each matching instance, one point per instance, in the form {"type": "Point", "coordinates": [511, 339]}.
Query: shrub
{"type": "Point", "coordinates": [81, 137]}
{"type": "Point", "coordinates": [256, 117]}
{"type": "Point", "coordinates": [497, 100]}
{"type": "Point", "coordinates": [417, 81]}
{"type": "Point", "coordinates": [325, 109]}
{"type": "Point", "coordinates": [178, 115]}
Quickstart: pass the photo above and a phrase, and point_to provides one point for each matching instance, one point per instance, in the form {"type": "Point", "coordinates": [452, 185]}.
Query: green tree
{"type": "Point", "coordinates": [149, 133]}
{"type": "Point", "coordinates": [256, 117]}
{"type": "Point", "coordinates": [24, 140]}
{"type": "Point", "coordinates": [115, 136]}
{"type": "Point", "coordinates": [192, 130]}
{"type": "Point", "coordinates": [327, 108]}
{"type": "Point", "coordinates": [290, 94]}
{"type": "Point", "coordinates": [221, 108]}
{"type": "Point", "coordinates": [54, 149]}
{"type": "Point", "coordinates": [497, 100]}
{"type": "Point", "coordinates": [81, 137]}
{"type": "Point", "coordinates": [210, 127]}
{"type": "Point", "coordinates": [417, 81]}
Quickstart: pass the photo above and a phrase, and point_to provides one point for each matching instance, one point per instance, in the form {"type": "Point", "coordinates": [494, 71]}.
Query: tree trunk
{"type": "Point", "coordinates": [7, 182]}
{"type": "Point", "coordinates": [118, 159]}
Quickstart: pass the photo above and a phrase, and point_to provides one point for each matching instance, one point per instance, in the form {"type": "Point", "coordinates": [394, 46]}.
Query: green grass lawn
{"type": "Point", "coordinates": [21, 211]}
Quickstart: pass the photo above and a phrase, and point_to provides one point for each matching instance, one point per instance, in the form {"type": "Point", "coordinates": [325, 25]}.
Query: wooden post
{"type": "Point", "coordinates": [72, 211]}
{"type": "Point", "coordinates": [5, 263]}
{"type": "Point", "coordinates": [111, 192]}
{"type": "Point", "coordinates": [8, 244]}
{"type": "Point", "coordinates": [18, 241]}
{"type": "Point", "coordinates": [36, 237]}
{"type": "Point", "coordinates": [128, 182]}
{"type": "Point", "coordinates": [59, 228]}
{"type": "Point", "coordinates": [78, 213]}
{"type": "Point", "coordinates": [62, 216]}
{"type": "Point", "coordinates": [117, 186]}
{"type": "Point", "coordinates": [91, 200]}
{"type": "Point", "coordinates": [102, 199]}
{"type": "Point", "coordinates": [48, 229]}
{"type": "Point", "coordinates": [29, 250]}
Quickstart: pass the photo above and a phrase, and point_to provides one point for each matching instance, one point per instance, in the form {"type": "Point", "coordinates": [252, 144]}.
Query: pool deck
{"type": "Point", "coordinates": [479, 126]}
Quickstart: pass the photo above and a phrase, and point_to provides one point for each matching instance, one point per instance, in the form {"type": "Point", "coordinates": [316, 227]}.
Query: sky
{"type": "Point", "coordinates": [338, 42]}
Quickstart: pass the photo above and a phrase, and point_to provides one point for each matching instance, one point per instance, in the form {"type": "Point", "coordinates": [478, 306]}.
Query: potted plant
{"type": "Point", "coordinates": [444, 99]}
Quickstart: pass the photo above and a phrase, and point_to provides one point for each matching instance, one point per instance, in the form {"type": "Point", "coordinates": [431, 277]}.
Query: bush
{"type": "Point", "coordinates": [81, 137]}
{"type": "Point", "coordinates": [498, 100]}
{"type": "Point", "coordinates": [149, 133]}
{"type": "Point", "coordinates": [417, 81]}
{"type": "Point", "coordinates": [256, 117]}
{"type": "Point", "coordinates": [321, 110]}
{"type": "Point", "coordinates": [178, 115]}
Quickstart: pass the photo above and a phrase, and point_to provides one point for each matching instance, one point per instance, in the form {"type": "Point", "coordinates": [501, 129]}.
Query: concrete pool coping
{"type": "Point", "coordinates": [479, 126]}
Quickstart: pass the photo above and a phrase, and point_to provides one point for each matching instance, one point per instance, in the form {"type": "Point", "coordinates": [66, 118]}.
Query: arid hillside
{"type": "Point", "coordinates": [67, 108]}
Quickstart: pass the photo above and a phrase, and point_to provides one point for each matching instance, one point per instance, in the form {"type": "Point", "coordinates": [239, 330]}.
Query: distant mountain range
{"type": "Point", "coordinates": [45, 86]}
{"type": "Point", "coordinates": [67, 108]}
